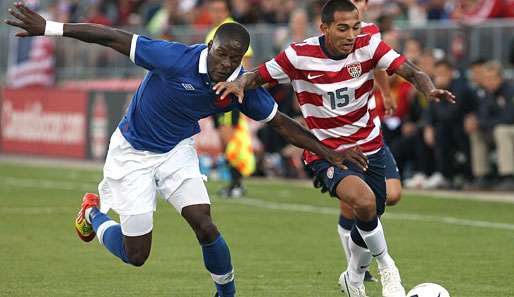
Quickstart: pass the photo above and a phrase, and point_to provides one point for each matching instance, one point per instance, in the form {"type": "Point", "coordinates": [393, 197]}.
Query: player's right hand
{"type": "Point", "coordinates": [353, 155]}
{"type": "Point", "coordinates": [226, 88]}
{"type": "Point", "coordinates": [31, 22]}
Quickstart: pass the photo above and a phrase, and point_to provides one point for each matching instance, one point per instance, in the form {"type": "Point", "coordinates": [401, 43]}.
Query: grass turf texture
{"type": "Point", "coordinates": [283, 242]}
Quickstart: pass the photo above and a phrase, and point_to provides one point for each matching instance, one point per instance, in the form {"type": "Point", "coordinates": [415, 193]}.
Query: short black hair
{"type": "Point", "coordinates": [233, 31]}
{"type": "Point", "coordinates": [445, 62]}
{"type": "Point", "coordinates": [478, 62]}
{"type": "Point", "coordinates": [330, 8]}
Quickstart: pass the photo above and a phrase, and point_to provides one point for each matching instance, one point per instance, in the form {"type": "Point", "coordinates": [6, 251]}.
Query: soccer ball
{"type": "Point", "coordinates": [428, 290]}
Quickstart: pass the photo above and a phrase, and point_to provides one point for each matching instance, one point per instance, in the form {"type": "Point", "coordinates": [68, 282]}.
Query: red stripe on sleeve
{"type": "Point", "coordinates": [396, 64]}
{"type": "Point", "coordinates": [263, 71]}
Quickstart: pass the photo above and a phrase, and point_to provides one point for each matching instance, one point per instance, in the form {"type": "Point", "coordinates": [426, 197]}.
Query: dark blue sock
{"type": "Point", "coordinates": [345, 223]}
{"type": "Point", "coordinates": [367, 226]}
{"type": "Point", "coordinates": [216, 257]}
{"type": "Point", "coordinates": [357, 238]}
{"type": "Point", "coordinates": [112, 238]}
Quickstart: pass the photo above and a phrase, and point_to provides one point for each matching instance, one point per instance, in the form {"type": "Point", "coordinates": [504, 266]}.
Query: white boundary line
{"type": "Point", "coordinates": [69, 186]}
{"type": "Point", "coordinates": [388, 216]}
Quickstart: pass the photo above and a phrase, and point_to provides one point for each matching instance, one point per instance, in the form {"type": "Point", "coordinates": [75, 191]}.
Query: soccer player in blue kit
{"type": "Point", "coordinates": [152, 150]}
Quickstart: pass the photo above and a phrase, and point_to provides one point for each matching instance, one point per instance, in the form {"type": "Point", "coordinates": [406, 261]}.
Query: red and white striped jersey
{"type": "Point", "coordinates": [334, 93]}
{"type": "Point", "coordinates": [371, 29]}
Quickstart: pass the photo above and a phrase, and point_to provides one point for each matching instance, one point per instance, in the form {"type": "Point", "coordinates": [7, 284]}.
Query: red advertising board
{"type": "Point", "coordinates": [40, 121]}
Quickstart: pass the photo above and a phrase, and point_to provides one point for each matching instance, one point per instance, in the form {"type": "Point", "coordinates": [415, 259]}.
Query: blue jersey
{"type": "Point", "coordinates": [176, 93]}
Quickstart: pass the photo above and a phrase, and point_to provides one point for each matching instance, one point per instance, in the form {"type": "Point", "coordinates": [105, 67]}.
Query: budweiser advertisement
{"type": "Point", "coordinates": [41, 121]}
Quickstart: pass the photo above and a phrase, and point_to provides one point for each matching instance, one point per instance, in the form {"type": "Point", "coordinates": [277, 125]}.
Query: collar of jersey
{"type": "Point", "coordinates": [202, 66]}
{"type": "Point", "coordinates": [326, 52]}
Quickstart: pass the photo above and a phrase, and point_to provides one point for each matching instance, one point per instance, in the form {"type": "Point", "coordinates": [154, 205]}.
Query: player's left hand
{"type": "Point", "coordinates": [438, 94]}
{"type": "Point", "coordinates": [353, 155]}
{"type": "Point", "coordinates": [226, 88]}
{"type": "Point", "coordinates": [31, 22]}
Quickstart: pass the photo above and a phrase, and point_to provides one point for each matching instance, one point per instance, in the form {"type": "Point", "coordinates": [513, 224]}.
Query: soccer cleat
{"type": "Point", "coordinates": [84, 229]}
{"type": "Point", "coordinates": [368, 277]}
{"type": "Point", "coordinates": [348, 289]}
{"type": "Point", "coordinates": [391, 282]}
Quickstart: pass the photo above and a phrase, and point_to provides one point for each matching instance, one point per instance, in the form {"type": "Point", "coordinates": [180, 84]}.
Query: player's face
{"type": "Point", "coordinates": [361, 5]}
{"type": "Point", "coordinates": [341, 33]}
{"type": "Point", "coordinates": [442, 76]}
{"type": "Point", "coordinates": [223, 59]}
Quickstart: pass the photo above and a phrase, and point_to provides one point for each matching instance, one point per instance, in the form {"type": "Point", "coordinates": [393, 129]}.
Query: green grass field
{"type": "Point", "coordinates": [283, 241]}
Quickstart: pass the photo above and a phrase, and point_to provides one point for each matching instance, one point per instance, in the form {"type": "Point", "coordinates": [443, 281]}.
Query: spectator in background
{"type": "Point", "coordinates": [493, 123]}
{"type": "Point", "coordinates": [473, 11]}
{"type": "Point", "coordinates": [476, 74]}
{"type": "Point", "coordinates": [96, 16]}
{"type": "Point", "coordinates": [412, 49]}
{"type": "Point", "coordinates": [220, 14]}
{"type": "Point", "coordinates": [443, 129]}
{"type": "Point", "coordinates": [162, 22]}
{"type": "Point", "coordinates": [244, 12]}
{"type": "Point", "coordinates": [297, 31]}
{"type": "Point", "coordinates": [437, 10]}
{"type": "Point", "coordinates": [409, 150]}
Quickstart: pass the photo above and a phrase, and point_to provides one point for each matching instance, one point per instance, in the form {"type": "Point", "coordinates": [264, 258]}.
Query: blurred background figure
{"type": "Point", "coordinates": [492, 124]}
{"type": "Point", "coordinates": [466, 145]}
{"type": "Point", "coordinates": [232, 126]}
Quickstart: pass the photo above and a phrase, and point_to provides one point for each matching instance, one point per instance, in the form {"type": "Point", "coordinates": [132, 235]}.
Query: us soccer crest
{"type": "Point", "coordinates": [330, 172]}
{"type": "Point", "coordinates": [355, 70]}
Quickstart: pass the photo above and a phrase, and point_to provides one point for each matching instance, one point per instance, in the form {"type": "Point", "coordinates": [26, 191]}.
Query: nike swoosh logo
{"type": "Point", "coordinates": [309, 76]}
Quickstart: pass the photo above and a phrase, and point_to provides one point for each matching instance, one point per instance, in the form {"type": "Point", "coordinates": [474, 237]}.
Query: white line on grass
{"type": "Point", "coordinates": [47, 184]}
{"type": "Point", "coordinates": [62, 185]}
{"type": "Point", "coordinates": [391, 216]}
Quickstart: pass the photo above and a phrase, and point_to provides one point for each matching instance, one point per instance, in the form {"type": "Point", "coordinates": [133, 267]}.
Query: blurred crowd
{"type": "Point", "coordinates": [469, 144]}
{"type": "Point", "coordinates": [159, 16]}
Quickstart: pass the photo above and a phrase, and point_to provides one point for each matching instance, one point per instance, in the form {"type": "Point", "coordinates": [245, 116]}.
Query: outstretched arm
{"type": "Point", "coordinates": [423, 83]}
{"type": "Point", "coordinates": [34, 24]}
{"type": "Point", "coordinates": [297, 135]}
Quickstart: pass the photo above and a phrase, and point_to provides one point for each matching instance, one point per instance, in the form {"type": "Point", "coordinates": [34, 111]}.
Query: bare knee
{"type": "Point", "coordinates": [137, 258]}
{"type": "Point", "coordinates": [365, 206]}
{"type": "Point", "coordinates": [359, 197]}
{"type": "Point", "coordinates": [206, 231]}
{"type": "Point", "coordinates": [394, 192]}
{"type": "Point", "coordinates": [138, 248]}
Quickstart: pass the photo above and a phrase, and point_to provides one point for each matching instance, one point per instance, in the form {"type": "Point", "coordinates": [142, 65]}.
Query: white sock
{"type": "Point", "coordinates": [344, 235]}
{"type": "Point", "coordinates": [86, 213]}
{"type": "Point", "coordinates": [375, 240]}
{"type": "Point", "coordinates": [358, 264]}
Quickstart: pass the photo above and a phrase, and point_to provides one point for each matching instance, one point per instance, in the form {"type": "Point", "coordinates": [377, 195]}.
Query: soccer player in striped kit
{"type": "Point", "coordinates": [392, 174]}
{"type": "Point", "coordinates": [332, 76]}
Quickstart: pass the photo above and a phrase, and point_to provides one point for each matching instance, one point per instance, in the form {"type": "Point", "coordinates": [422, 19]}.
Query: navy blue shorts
{"type": "Point", "coordinates": [327, 176]}
{"type": "Point", "coordinates": [391, 170]}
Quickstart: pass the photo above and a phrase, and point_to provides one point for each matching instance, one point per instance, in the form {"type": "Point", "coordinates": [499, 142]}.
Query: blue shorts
{"type": "Point", "coordinates": [391, 170]}
{"type": "Point", "coordinates": [327, 176]}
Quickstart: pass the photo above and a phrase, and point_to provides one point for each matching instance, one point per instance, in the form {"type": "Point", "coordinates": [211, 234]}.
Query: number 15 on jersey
{"type": "Point", "coordinates": [340, 98]}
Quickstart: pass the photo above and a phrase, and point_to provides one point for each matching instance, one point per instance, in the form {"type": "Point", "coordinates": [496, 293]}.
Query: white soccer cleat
{"type": "Point", "coordinates": [348, 289]}
{"type": "Point", "coordinates": [391, 282]}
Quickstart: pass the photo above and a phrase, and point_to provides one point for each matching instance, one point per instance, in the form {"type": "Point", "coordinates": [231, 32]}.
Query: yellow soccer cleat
{"type": "Point", "coordinates": [84, 229]}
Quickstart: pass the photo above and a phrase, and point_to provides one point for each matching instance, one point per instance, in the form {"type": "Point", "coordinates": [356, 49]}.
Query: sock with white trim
{"type": "Point", "coordinates": [358, 263]}
{"type": "Point", "coordinates": [373, 235]}
{"type": "Point", "coordinates": [108, 232]}
{"type": "Point", "coordinates": [216, 257]}
{"type": "Point", "coordinates": [344, 229]}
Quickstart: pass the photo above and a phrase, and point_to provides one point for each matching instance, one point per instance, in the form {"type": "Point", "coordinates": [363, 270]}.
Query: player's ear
{"type": "Point", "coordinates": [323, 28]}
{"type": "Point", "coordinates": [209, 45]}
